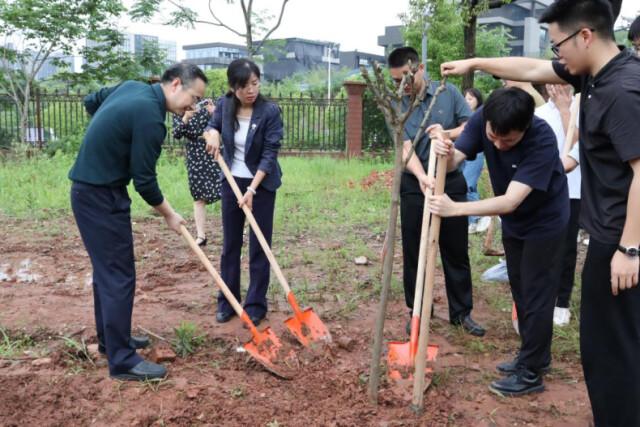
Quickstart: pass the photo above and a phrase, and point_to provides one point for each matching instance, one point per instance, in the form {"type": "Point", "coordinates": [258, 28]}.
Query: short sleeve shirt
{"type": "Point", "coordinates": [609, 139]}
{"type": "Point", "coordinates": [535, 162]}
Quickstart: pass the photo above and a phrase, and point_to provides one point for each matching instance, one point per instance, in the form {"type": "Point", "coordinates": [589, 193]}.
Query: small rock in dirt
{"type": "Point", "coordinates": [93, 351]}
{"type": "Point", "coordinates": [4, 363]}
{"type": "Point", "coordinates": [361, 260]}
{"type": "Point", "coordinates": [162, 354]}
{"type": "Point", "coordinates": [41, 362]}
{"type": "Point", "coordinates": [346, 343]}
{"type": "Point", "coordinates": [193, 393]}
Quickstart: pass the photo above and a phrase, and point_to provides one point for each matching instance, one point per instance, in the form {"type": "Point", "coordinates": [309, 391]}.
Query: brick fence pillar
{"type": "Point", "coordinates": [355, 90]}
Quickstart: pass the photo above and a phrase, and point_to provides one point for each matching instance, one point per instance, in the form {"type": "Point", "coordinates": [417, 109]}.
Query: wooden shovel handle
{"type": "Point", "coordinates": [424, 238]}
{"type": "Point", "coordinates": [254, 225]}
{"type": "Point", "coordinates": [216, 277]}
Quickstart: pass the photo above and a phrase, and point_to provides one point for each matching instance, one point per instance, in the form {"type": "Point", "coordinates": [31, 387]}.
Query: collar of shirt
{"type": "Point", "coordinates": [157, 89]}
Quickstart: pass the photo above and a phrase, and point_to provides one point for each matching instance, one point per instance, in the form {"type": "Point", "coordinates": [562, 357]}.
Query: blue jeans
{"type": "Point", "coordinates": [472, 169]}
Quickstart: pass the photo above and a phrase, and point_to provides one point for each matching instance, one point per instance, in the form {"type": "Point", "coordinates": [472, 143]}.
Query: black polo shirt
{"type": "Point", "coordinates": [534, 161]}
{"type": "Point", "coordinates": [609, 139]}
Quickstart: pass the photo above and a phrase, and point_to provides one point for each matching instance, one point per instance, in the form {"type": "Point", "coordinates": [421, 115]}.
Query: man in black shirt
{"type": "Point", "coordinates": [634, 35]}
{"type": "Point", "coordinates": [532, 199]}
{"type": "Point", "coordinates": [609, 81]}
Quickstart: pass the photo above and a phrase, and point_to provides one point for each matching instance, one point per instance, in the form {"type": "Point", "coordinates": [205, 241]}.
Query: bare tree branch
{"type": "Point", "coordinates": [284, 4]}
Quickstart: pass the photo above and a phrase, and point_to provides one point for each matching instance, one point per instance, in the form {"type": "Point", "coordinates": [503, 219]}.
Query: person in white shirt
{"type": "Point", "coordinates": [557, 112]}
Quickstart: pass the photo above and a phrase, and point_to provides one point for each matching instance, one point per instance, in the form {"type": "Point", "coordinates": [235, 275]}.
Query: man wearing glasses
{"type": "Point", "coordinates": [122, 143]}
{"type": "Point", "coordinates": [450, 112]}
{"type": "Point", "coordinates": [609, 81]}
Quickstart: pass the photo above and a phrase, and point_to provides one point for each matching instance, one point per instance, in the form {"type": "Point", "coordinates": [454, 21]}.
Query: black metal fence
{"type": "Point", "coordinates": [311, 123]}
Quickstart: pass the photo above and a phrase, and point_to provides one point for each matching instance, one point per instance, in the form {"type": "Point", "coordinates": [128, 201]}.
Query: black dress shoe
{"type": "Point", "coordinates": [222, 317]}
{"type": "Point", "coordinates": [470, 326]}
{"type": "Point", "coordinates": [138, 342]}
{"type": "Point", "coordinates": [518, 384]}
{"type": "Point", "coordinates": [143, 371]}
{"type": "Point", "coordinates": [255, 319]}
{"type": "Point", "coordinates": [511, 366]}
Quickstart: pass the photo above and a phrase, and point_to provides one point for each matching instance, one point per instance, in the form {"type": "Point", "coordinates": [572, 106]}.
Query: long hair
{"type": "Point", "coordinates": [476, 94]}
{"type": "Point", "coordinates": [238, 75]}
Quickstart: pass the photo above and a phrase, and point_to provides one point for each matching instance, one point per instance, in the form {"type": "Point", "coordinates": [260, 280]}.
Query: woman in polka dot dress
{"type": "Point", "coordinates": [203, 172]}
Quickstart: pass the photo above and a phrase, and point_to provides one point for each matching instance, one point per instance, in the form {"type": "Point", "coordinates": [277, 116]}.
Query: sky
{"type": "Point", "coordinates": [354, 24]}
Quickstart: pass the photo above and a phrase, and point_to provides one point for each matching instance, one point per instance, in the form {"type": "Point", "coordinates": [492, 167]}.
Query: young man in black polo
{"type": "Point", "coordinates": [532, 199]}
{"type": "Point", "coordinates": [450, 111]}
{"type": "Point", "coordinates": [123, 142]}
{"type": "Point", "coordinates": [609, 80]}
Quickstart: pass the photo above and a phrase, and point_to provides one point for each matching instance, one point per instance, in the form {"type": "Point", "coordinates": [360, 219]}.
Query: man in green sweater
{"type": "Point", "coordinates": [123, 142]}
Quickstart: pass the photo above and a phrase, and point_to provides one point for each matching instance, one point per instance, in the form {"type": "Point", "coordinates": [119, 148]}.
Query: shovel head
{"type": "Point", "coordinates": [308, 328]}
{"type": "Point", "coordinates": [266, 349]}
{"type": "Point", "coordinates": [400, 363]}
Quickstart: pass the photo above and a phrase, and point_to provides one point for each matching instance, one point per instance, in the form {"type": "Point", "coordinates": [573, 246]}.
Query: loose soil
{"type": "Point", "coordinates": [46, 292]}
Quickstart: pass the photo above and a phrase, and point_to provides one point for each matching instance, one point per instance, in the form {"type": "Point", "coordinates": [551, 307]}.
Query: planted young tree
{"type": "Point", "coordinates": [35, 31]}
{"type": "Point", "coordinates": [257, 23]}
{"type": "Point", "coordinates": [390, 102]}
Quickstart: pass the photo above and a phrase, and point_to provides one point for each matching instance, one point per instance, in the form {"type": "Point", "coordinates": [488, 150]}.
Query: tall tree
{"type": "Point", "coordinates": [33, 31]}
{"type": "Point", "coordinates": [448, 24]}
{"type": "Point", "coordinates": [257, 24]}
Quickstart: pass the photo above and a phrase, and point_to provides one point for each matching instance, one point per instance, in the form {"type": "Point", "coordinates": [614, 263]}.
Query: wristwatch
{"type": "Point", "coordinates": [631, 251]}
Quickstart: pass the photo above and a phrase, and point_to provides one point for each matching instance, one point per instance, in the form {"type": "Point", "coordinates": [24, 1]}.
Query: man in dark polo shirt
{"type": "Point", "coordinates": [609, 81]}
{"type": "Point", "coordinates": [532, 199]}
{"type": "Point", "coordinates": [123, 142]}
{"type": "Point", "coordinates": [450, 112]}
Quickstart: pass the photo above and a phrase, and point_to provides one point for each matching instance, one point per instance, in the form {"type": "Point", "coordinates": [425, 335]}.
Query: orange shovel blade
{"type": "Point", "coordinates": [400, 364]}
{"type": "Point", "coordinates": [265, 347]}
{"type": "Point", "coordinates": [308, 328]}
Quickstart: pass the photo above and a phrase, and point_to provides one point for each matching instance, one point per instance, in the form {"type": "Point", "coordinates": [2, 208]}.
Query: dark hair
{"type": "Point", "coordinates": [401, 57]}
{"type": "Point", "coordinates": [509, 109]}
{"type": "Point", "coordinates": [571, 15]}
{"type": "Point", "coordinates": [238, 75]}
{"type": "Point", "coordinates": [476, 94]}
{"type": "Point", "coordinates": [634, 30]}
{"type": "Point", "coordinates": [187, 73]}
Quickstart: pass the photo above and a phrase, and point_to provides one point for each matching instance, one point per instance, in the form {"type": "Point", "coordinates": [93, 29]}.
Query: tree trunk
{"type": "Point", "coordinates": [470, 30]}
{"type": "Point", "coordinates": [387, 270]}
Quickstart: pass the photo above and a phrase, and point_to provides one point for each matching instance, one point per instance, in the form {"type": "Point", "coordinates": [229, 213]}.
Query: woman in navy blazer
{"type": "Point", "coordinates": [249, 130]}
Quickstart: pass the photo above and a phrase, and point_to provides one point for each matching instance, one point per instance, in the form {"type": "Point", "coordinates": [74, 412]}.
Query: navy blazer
{"type": "Point", "coordinates": [263, 138]}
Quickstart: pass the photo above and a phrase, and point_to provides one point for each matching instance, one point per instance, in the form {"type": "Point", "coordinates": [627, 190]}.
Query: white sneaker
{"type": "Point", "coordinates": [561, 316]}
{"type": "Point", "coordinates": [472, 228]}
{"type": "Point", "coordinates": [483, 224]}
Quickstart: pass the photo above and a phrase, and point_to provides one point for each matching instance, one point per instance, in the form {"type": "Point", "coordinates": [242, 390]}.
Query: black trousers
{"type": "Point", "coordinates": [568, 256]}
{"type": "Point", "coordinates": [233, 223]}
{"type": "Point", "coordinates": [103, 216]}
{"type": "Point", "coordinates": [609, 342]}
{"type": "Point", "coordinates": [531, 265]}
{"type": "Point", "coordinates": [453, 244]}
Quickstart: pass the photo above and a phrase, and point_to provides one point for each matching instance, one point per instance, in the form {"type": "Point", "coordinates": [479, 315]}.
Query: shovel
{"type": "Point", "coordinates": [305, 325]}
{"type": "Point", "coordinates": [265, 346]}
{"type": "Point", "coordinates": [401, 355]}
{"type": "Point", "coordinates": [430, 276]}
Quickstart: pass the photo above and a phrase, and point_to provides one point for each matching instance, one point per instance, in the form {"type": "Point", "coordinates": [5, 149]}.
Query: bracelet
{"type": "Point", "coordinates": [251, 190]}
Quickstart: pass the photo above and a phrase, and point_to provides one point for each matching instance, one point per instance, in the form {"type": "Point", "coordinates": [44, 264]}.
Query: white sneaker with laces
{"type": "Point", "coordinates": [561, 316]}
{"type": "Point", "coordinates": [483, 224]}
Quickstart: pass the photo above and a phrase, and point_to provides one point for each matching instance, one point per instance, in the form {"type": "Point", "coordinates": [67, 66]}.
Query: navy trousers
{"type": "Point", "coordinates": [103, 216]}
{"type": "Point", "coordinates": [531, 265]}
{"type": "Point", "coordinates": [233, 224]}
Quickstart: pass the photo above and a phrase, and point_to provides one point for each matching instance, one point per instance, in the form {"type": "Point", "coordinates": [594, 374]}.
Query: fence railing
{"type": "Point", "coordinates": [310, 123]}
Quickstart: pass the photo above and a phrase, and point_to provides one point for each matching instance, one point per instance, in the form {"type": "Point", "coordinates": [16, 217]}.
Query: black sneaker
{"type": "Point", "coordinates": [469, 325]}
{"type": "Point", "coordinates": [518, 384]}
{"type": "Point", "coordinates": [143, 371]}
{"type": "Point", "coordinates": [222, 317]}
{"type": "Point", "coordinates": [511, 367]}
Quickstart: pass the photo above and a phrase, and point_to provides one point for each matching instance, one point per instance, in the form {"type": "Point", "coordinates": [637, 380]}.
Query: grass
{"type": "Point", "coordinates": [187, 339]}
{"type": "Point", "coordinates": [13, 344]}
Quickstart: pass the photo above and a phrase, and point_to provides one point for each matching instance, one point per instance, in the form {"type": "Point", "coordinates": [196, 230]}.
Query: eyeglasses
{"type": "Point", "coordinates": [555, 47]}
